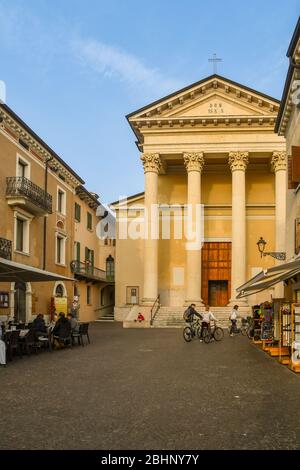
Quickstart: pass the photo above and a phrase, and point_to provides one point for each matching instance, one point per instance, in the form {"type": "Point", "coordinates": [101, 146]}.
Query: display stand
{"type": "Point", "coordinates": [273, 349]}
{"type": "Point", "coordinates": [294, 363]}
{"type": "Point", "coordinates": [285, 323]}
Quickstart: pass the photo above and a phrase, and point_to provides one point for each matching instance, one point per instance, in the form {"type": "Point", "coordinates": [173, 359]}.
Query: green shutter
{"type": "Point", "coordinates": [77, 212]}
{"type": "Point", "coordinates": [89, 221]}
{"type": "Point", "coordinates": [86, 253]}
{"type": "Point", "coordinates": [78, 251]}
{"type": "Point", "coordinates": [92, 257]}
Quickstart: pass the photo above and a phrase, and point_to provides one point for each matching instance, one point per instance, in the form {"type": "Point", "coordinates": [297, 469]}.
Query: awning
{"type": "Point", "coordinates": [268, 278]}
{"type": "Point", "coordinates": [10, 271]}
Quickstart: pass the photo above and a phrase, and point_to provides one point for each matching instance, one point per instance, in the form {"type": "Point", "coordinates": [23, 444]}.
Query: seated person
{"type": "Point", "coordinates": [62, 330]}
{"type": "Point", "coordinates": [73, 322]}
{"type": "Point", "coordinates": [39, 325]}
{"type": "Point", "coordinates": [140, 317]}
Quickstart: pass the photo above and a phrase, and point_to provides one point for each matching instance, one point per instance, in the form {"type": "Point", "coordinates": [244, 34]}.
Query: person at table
{"type": "Point", "coordinates": [2, 350]}
{"type": "Point", "coordinates": [62, 330]}
{"type": "Point", "coordinates": [73, 322]}
{"type": "Point", "coordinates": [39, 325]}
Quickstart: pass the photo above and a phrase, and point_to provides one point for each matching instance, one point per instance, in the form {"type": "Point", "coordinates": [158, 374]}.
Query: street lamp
{"type": "Point", "coordinates": [261, 244]}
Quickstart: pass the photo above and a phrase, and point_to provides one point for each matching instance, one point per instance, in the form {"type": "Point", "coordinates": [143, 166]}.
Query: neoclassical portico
{"type": "Point", "coordinates": [212, 145]}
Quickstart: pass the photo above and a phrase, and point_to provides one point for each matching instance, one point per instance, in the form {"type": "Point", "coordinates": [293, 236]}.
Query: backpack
{"type": "Point", "coordinates": [186, 314]}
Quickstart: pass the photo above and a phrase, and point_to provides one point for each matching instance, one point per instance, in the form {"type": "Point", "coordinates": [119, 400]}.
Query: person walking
{"type": "Point", "coordinates": [233, 319]}
{"type": "Point", "coordinates": [207, 317]}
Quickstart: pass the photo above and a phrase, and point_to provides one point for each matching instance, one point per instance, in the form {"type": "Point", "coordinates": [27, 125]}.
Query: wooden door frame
{"type": "Point", "coordinates": [217, 269]}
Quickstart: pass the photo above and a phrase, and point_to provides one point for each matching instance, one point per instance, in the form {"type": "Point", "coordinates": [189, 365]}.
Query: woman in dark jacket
{"type": "Point", "coordinates": [62, 330]}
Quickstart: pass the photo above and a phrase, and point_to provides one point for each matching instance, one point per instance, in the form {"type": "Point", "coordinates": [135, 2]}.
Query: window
{"type": "Point", "coordinates": [132, 295]}
{"type": "Point", "coordinates": [77, 212]}
{"type": "Point", "coordinates": [114, 242]}
{"type": "Point", "coordinates": [89, 222]}
{"type": "Point", "coordinates": [23, 167]}
{"type": "Point", "coordinates": [21, 233]}
{"type": "Point", "coordinates": [89, 257]}
{"type": "Point", "coordinates": [88, 295]}
{"type": "Point", "coordinates": [61, 201]}
{"type": "Point", "coordinates": [110, 268]}
{"type": "Point", "coordinates": [77, 251]}
{"type": "Point", "coordinates": [60, 249]}
{"type": "Point", "coordinates": [59, 291]}
{"type": "Point", "coordinates": [24, 144]}
{"type": "Point", "coordinates": [105, 241]}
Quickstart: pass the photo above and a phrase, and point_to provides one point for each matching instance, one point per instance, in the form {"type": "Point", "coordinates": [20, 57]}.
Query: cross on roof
{"type": "Point", "coordinates": [215, 61]}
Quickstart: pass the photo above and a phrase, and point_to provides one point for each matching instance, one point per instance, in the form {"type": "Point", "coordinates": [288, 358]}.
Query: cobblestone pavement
{"type": "Point", "coordinates": [148, 389]}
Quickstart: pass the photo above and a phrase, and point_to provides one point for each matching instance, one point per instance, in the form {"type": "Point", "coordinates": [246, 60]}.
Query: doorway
{"type": "Point", "coordinates": [20, 302]}
{"type": "Point", "coordinates": [218, 293]}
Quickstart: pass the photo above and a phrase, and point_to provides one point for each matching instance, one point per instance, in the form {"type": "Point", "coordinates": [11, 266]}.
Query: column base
{"type": "Point", "coordinates": [239, 302]}
{"type": "Point", "coordinates": [198, 303]}
{"type": "Point", "coordinates": [147, 302]}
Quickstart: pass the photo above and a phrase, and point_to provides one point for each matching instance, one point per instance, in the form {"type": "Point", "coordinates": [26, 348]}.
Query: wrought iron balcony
{"type": "Point", "coordinates": [83, 270]}
{"type": "Point", "coordinates": [5, 248]}
{"type": "Point", "coordinates": [22, 191]}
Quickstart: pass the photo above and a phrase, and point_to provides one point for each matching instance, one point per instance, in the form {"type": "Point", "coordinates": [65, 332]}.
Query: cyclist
{"type": "Point", "coordinates": [191, 314]}
{"type": "Point", "coordinates": [206, 319]}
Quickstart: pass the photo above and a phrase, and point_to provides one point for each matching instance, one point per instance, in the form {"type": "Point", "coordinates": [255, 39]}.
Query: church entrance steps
{"type": "Point", "coordinates": [172, 317]}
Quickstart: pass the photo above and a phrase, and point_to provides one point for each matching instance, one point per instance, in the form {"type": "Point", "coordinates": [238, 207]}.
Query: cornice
{"type": "Point", "coordinates": [10, 125]}
{"type": "Point", "coordinates": [144, 125]}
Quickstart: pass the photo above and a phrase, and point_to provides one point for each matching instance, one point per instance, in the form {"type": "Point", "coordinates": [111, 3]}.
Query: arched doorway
{"type": "Point", "coordinates": [20, 302]}
{"type": "Point", "coordinates": [59, 291]}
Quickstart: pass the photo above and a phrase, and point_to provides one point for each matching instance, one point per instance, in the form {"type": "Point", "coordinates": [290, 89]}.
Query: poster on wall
{"type": "Point", "coordinates": [4, 299]}
{"type": "Point", "coordinates": [61, 305]}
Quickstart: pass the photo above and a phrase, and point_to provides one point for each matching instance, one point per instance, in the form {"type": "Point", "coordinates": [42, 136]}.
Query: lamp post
{"type": "Point", "coordinates": [261, 244]}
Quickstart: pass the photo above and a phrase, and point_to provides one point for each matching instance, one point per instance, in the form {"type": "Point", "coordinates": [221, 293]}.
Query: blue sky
{"type": "Point", "coordinates": [73, 69]}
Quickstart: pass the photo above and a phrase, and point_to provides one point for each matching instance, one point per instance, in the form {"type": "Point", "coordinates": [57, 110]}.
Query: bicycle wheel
{"type": "Point", "coordinates": [218, 333]}
{"type": "Point", "coordinates": [206, 336]}
{"type": "Point", "coordinates": [187, 334]}
{"type": "Point", "coordinates": [198, 332]}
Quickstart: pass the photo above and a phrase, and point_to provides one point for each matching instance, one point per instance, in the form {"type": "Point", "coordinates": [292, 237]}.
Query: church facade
{"type": "Point", "coordinates": [210, 145]}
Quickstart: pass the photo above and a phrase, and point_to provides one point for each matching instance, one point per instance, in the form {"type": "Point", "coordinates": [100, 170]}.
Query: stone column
{"type": "Point", "coordinates": [238, 162]}
{"type": "Point", "coordinates": [152, 166]}
{"type": "Point", "coordinates": [194, 163]}
{"type": "Point", "coordinates": [279, 166]}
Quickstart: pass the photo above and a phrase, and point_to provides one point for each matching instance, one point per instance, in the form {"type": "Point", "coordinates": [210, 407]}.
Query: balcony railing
{"type": "Point", "coordinates": [19, 186]}
{"type": "Point", "coordinates": [87, 271]}
{"type": "Point", "coordinates": [5, 248]}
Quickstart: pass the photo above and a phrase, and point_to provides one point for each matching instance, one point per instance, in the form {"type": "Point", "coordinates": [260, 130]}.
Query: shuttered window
{"type": "Point", "coordinates": [77, 212]}
{"type": "Point", "coordinates": [89, 221]}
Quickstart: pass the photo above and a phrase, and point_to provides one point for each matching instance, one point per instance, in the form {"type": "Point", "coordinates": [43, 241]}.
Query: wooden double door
{"type": "Point", "coordinates": [216, 273]}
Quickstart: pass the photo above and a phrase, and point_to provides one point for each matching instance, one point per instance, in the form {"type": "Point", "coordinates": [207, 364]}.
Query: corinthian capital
{"type": "Point", "coordinates": [238, 161]}
{"type": "Point", "coordinates": [151, 162]}
{"type": "Point", "coordinates": [194, 161]}
{"type": "Point", "coordinates": [278, 161]}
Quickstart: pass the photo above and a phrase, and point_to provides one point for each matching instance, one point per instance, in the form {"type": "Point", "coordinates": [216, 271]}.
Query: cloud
{"type": "Point", "coordinates": [113, 62]}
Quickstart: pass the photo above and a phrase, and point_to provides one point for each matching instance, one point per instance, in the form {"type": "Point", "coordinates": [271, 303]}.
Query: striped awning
{"type": "Point", "coordinates": [268, 278]}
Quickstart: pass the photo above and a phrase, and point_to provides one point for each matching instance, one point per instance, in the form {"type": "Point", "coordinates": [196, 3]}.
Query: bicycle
{"type": "Point", "coordinates": [194, 329]}
{"type": "Point", "coordinates": [216, 333]}
{"type": "Point", "coordinates": [244, 328]}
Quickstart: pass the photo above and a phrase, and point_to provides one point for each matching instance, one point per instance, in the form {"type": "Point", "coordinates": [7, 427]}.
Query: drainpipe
{"type": "Point", "coordinates": [46, 216]}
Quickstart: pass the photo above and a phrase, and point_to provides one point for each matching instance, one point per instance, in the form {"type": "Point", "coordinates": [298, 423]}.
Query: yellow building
{"type": "Point", "coordinates": [38, 226]}
{"type": "Point", "coordinates": [288, 125]}
{"type": "Point", "coordinates": [210, 145]}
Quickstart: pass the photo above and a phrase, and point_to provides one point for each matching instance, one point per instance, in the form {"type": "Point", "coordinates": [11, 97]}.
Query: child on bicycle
{"type": "Point", "coordinates": [206, 319]}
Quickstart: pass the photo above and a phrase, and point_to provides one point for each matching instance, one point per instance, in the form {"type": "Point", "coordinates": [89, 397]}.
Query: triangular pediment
{"type": "Point", "coordinates": [214, 96]}
{"type": "Point", "coordinates": [216, 104]}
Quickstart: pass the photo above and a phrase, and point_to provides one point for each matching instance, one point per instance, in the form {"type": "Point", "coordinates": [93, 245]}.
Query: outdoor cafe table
{"type": "Point", "coordinates": [22, 332]}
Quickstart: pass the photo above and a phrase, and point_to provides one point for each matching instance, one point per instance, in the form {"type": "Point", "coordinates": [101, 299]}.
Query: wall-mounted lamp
{"type": "Point", "coordinates": [261, 244]}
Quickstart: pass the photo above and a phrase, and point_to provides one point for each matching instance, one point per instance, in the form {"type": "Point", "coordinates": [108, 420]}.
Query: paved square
{"type": "Point", "coordinates": [148, 389]}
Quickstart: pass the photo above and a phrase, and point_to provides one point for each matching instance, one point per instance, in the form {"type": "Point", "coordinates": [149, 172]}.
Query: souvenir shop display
{"type": "Point", "coordinates": [295, 343]}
